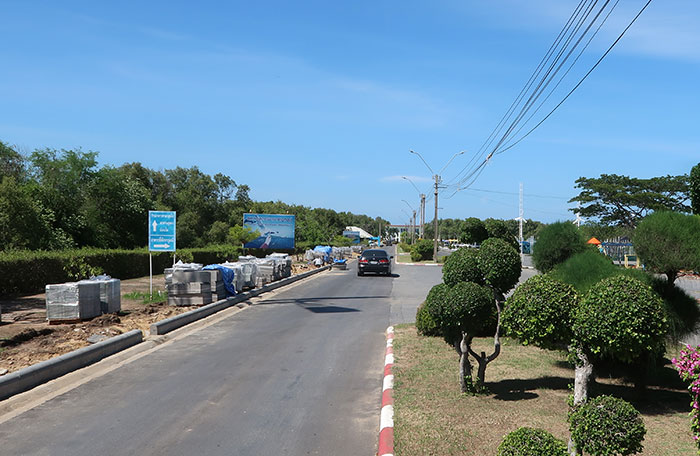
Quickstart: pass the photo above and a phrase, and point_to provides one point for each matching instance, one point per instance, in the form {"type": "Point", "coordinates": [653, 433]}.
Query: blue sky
{"type": "Point", "coordinates": [318, 103]}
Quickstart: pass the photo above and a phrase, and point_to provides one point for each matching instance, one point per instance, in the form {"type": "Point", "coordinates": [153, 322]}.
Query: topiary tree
{"type": "Point", "coordinates": [607, 426]}
{"type": "Point", "coordinates": [526, 441]}
{"type": "Point", "coordinates": [694, 184]}
{"type": "Point", "coordinates": [462, 266]}
{"type": "Point", "coordinates": [422, 250]}
{"type": "Point", "coordinates": [668, 242]}
{"type": "Point", "coordinates": [473, 231]}
{"type": "Point", "coordinates": [500, 229]}
{"type": "Point", "coordinates": [555, 244]}
{"type": "Point", "coordinates": [424, 322]}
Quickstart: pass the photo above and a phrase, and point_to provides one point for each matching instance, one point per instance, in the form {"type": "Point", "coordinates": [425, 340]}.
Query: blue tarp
{"type": "Point", "coordinates": [228, 275]}
{"type": "Point", "coordinates": [337, 261]}
{"type": "Point", "coordinates": [327, 250]}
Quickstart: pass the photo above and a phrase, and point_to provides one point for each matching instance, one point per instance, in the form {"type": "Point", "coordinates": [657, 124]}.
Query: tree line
{"type": "Point", "coordinates": [59, 199]}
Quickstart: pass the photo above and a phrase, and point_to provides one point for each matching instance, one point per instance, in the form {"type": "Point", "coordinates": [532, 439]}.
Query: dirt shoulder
{"type": "Point", "coordinates": [26, 337]}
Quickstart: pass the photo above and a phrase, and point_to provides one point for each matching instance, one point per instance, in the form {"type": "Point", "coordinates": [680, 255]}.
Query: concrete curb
{"type": "Point", "coordinates": [169, 324]}
{"type": "Point", "coordinates": [420, 264]}
{"type": "Point", "coordinates": [386, 419]}
{"type": "Point", "coordinates": [29, 377]}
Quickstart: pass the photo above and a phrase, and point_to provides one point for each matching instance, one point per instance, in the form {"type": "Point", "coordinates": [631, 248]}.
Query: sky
{"type": "Point", "coordinates": [318, 103]}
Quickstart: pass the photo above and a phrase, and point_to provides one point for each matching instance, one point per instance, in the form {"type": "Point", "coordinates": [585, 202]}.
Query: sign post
{"type": "Point", "coordinates": [161, 236]}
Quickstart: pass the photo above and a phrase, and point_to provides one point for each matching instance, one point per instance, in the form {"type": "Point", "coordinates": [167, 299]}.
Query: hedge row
{"type": "Point", "coordinates": [27, 272]}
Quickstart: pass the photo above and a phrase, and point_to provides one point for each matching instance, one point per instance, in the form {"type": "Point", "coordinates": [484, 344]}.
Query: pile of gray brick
{"type": "Point", "coordinates": [73, 301]}
{"type": "Point", "coordinates": [191, 287]}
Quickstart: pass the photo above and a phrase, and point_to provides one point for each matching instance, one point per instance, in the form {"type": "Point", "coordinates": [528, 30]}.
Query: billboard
{"type": "Point", "coordinates": [276, 231]}
{"type": "Point", "coordinates": [354, 235]}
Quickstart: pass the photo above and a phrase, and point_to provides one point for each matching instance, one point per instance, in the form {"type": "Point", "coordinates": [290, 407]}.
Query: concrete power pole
{"type": "Point", "coordinates": [422, 215]}
{"type": "Point", "coordinates": [435, 242]}
{"type": "Point", "coordinates": [520, 220]}
{"type": "Point", "coordinates": [413, 227]}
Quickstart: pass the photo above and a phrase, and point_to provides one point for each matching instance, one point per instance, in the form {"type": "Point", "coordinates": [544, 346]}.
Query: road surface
{"type": "Point", "coordinates": [299, 373]}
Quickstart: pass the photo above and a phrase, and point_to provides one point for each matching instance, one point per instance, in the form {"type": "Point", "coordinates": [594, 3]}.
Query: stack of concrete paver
{"type": "Point", "coordinates": [110, 293]}
{"type": "Point", "coordinates": [244, 273]}
{"type": "Point", "coordinates": [283, 265]}
{"type": "Point", "coordinates": [179, 265]}
{"type": "Point", "coordinates": [73, 301]}
{"type": "Point", "coordinates": [190, 287]}
{"type": "Point", "coordinates": [265, 271]}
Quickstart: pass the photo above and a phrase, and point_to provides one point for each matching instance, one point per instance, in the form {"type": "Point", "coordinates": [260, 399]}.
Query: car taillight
{"type": "Point", "coordinates": [384, 261]}
{"type": "Point", "coordinates": [363, 260]}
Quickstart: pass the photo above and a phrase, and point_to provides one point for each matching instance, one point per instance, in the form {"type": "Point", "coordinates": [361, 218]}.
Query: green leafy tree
{"type": "Point", "coordinates": [462, 265]}
{"type": "Point", "coordinates": [12, 163]}
{"type": "Point", "coordinates": [501, 229]}
{"type": "Point", "coordinates": [240, 235]}
{"type": "Point", "coordinates": [555, 244]}
{"type": "Point", "coordinates": [668, 242]}
{"type": "Point", "coordinates": [24, 224]}
{"type": "Point", "coordinates": [422, 250]}
{"type": "Point", "coordinates": [694, 184]}
{"type": "Point", "coordinates": [473, 231]}
{"type": "Point", "coordinates": [623, 200]}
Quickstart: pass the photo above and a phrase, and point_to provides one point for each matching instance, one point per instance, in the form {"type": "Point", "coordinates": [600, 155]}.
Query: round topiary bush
{"type": "Point", "coordinates": [555, 244]}
{"type": "Point", "coordinates": [539, 312]}
{"type": "Point", "coordinates": [621, 318]}
{"type": "Point", "coordinates": [424, 322]}
{"type": "Point", "coordinates": [607, 426]}
{"type": "Point", "coordinates": [437, 306]}
{"type": "Point", "coordinates": [527, 441]}
{"type": "Point", "coordinates": [462, 266]}
{"type": "Point", "coordinates": [471, 307]}
{"type": "Point", "coordinates": [423, 250]}
{"type": "Point", "coordinates": [500, 264]}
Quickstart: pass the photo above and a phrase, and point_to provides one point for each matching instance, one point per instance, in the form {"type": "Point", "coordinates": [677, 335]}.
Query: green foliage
{"type": "Point", "coordinates": [623, 200]}
{"type": "Point", "coordinates": [466, 307]}
{"type": "Point", "coordinates": [607, 426]}
{"type": "Point", "coordinates": [29, 271]}
{"type": "Point", "coordinates": [621, 318]}
{"type": "Point", "coordinates": [585, 269]}
{"type": "Point", "coordinates": [240, 235]}
{"type": "Point", "coordinates": [422, 250]}
{"type": "Point", "coordinates": [694, 184]}
{"type": "Point", "coordinates": [668, 242]}
{"type": "Point", "coordinates": [473, 231]}
{"type": "Point", "coordinates": [462, 266]}
{"type": "Point", "coordinates": [555, 244]}
{"type": "Point", "coordinates": [539, 312]}
{"type": "Point", "coordinates": [404, 247]}
{"type": "Point", "coordinates": [146, 298]}
{"type": "Point", "coordinates": [526, 441]}
{"type": "Point", "coordinates": [437, 304]}
{"type": "Point", "coordinates": [500, 264]}
{"type": "Point", "coordinates": [424, 322]}
{"type": "Point", "coordinates": [502, 229]}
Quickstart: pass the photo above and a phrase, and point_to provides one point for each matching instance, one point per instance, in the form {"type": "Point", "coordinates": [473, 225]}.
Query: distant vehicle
{"type": "Point", "coordinates": [374, 260]}
{"type": "Point", "coordinates": [388, 242]}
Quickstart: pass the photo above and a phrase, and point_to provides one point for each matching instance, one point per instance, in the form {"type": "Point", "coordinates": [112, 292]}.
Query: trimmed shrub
{"type": "Point", "coordinates": [462, 266]}
{"type": "Point", "coordinates": [527, 441]}
{"type": "Point", "coordinates": [437, 306]}
{"type": "Point", "coordinates": [473, 231]}
{"type": "Point", "coordinates": [539, 312]}
{"type": "Point", "coordinates": [422, 249]}
{"type": "Point", "coordinates": [424, 322]}
{"type": "Point", "coordinates": [607, 426]}
{"type": "Point", "coordinates": [471, 307]}
{"type": "Point", "coordinates": [634, 317]}
{"type": "Point", "coordinates": [500, 264]}
{"type": "Point", "coordinates": [585, 269]}
{"type": "Point", "coordinates": [555, 244]}
{"type": "Point", "coordinates": [27, 272]}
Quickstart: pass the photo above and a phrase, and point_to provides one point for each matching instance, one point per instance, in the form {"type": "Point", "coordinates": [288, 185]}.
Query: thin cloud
{"type": "Point", "coordinates": [415, 179]}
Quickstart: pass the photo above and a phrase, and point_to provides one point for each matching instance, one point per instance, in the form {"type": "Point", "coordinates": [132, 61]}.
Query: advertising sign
{"type": "Point", "coordinates": [161, 231]}
{"type": "Point", "coordinates": [354, 235]}
{"type": "Point", "coordinates": [276, 231]}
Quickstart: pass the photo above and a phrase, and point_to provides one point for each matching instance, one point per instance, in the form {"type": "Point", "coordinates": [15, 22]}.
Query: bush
{"type": "Point", "coordinates": [633, 315]}
{"type": "Point", "coordinates": [423, 250]}
{"type": "Point", "coordinates": [26, 272]}
{"type": "Point", "coordinates": [436, 304]}
{"type": "Point", "coordinates": [555, 244]}
{"type": "Point", "coordinates": [473, 231]}
{"type": "Point", "coordinates": [539, 312]}
{"type": "Point", "coordinates": [500, 264]}
{"type": "Point", "coordinates": [585, 269]}
{"type": "Point", "coordinates": [471, 307]}
{"type": "Point", "coordinates": [462, 266]}
{"type": "Point", "coordinates": [424, 322]}
{"type": "Point", "coordinates": [607, 426]}
{"type": "Point", "coordinates": [527, 441]}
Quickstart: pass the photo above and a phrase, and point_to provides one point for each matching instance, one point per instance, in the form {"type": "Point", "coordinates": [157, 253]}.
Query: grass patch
{"type": "Point", "coordinates": [146, 298]}
{"type": "Point", "coordinates": [528, 387]}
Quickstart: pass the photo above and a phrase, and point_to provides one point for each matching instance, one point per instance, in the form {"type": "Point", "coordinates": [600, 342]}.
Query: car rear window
{"type": "Point", "coordinates": [374, 254]}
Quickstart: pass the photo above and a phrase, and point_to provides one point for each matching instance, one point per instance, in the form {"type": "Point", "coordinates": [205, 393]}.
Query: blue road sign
{"type": "Point", "coordinates": [161, 231]}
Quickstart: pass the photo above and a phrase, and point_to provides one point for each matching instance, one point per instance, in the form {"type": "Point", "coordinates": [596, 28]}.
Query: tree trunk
{"type": "Point", "coordinates": [484, 360]}
{"type": "Point", "coordinates": [465, 366]}
{"type": "Point", "coordinates": [583, 374]}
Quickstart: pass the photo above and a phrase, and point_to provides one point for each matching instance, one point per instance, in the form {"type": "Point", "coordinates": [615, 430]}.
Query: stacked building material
{"type": "Point", "coordinates": [266, 271]}
{"type": "Point", "coordinates": [72, 301]}
{"type": "Point", "coordinates": [190, 287]}
{"type": "Point", "coordinates": [283, 264]}
{"type": "Point", "coordinates": [244, 274]}
{"type": "Point", "coordinates": [110, 293]}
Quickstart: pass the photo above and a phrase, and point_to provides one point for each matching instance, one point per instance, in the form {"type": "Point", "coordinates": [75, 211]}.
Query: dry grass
{"type": "Point", "coordinates": [528, 387]}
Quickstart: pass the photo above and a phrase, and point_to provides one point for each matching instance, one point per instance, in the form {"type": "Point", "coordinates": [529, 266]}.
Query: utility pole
{"type": "Point", "coordinates": [413, 228]}
{"type": "Point", "coordinates": [520, 220]}
{"type": "Point", "coordinates": [422, 215]}
{"type": "Point", "coordinates": [435, 242]}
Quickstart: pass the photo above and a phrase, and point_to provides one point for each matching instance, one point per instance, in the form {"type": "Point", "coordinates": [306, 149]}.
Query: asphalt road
{"type": "Point", "coordinates": [299, 373]}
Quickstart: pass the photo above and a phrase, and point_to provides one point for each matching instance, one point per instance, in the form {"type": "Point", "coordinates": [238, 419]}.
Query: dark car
{"type": "Point", "coordinates": [374, 260]}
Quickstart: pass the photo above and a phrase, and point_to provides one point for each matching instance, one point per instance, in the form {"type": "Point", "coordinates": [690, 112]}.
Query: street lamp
{"type": "Point", "coordinates": [413, 223]}
{"type": "Point", "coordinates": [437, 183]}
{"type": "Point", "coordinates": [421, 229]}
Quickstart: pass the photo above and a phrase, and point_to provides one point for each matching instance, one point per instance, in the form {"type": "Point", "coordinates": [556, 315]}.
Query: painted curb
{"type": "Point", "coordinates": [29, 377]}
{"type": "Point", "coordinates": [420, 264]}
{"type": "Point", "coordinates": [386, 418]}
{"type": "Point", "coordinates": [178, 321]}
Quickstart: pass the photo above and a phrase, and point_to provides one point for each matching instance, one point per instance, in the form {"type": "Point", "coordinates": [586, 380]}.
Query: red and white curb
{"type": "Point", "coordinates": [386, 420]}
